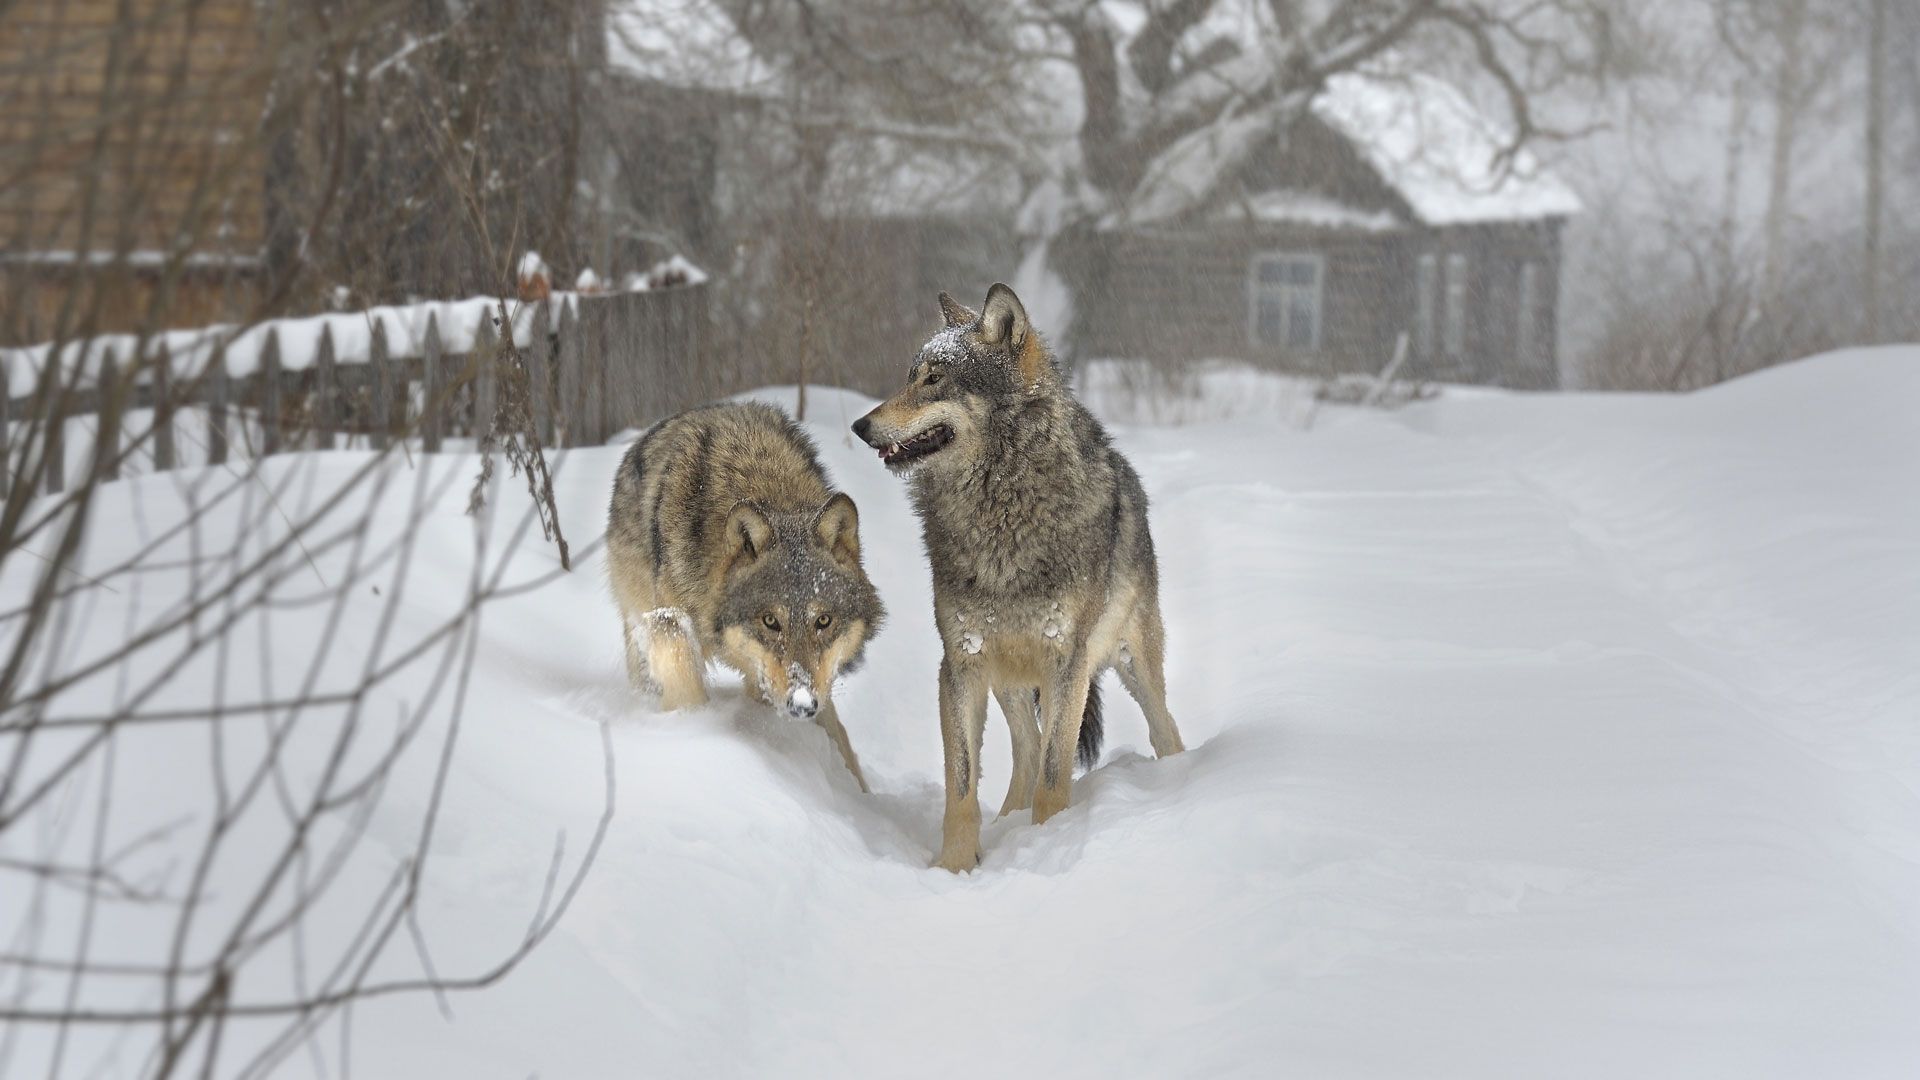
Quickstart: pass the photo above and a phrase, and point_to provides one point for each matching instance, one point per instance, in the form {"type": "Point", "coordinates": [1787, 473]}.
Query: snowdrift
{"type": "Point", "coordinates": [1561, 736]}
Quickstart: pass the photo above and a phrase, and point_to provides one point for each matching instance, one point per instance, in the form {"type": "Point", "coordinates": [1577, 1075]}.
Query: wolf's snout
{"type": "Point", "coordinates": [862, 426]}
{"type": "Point", "coordinates": [801, 704]}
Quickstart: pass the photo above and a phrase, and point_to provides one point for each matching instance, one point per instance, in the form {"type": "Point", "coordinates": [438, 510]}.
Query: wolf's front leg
{"type": "Point", "coordinates": [963, 711]}
{"type": "Point", "coordinates": [673, 658]}
{"type": "Point", "coordinates": [1063, 702]}
{"type": "Point", "coordinates": [829, 718]}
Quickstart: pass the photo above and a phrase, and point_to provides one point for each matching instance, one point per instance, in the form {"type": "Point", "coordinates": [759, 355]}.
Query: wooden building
{"type": "Point", "coordinates": [1387, 209]}
{"type": "Point", "coordinates": [171, 163]}
{"type": "Point", "coordinates": [130, 152]}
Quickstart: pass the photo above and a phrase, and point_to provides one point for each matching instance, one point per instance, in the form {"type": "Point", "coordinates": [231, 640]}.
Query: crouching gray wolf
{"type": "Point", "coordinates": [724, 542]}
{"type": "Point", "coordinates": [1043, 572]}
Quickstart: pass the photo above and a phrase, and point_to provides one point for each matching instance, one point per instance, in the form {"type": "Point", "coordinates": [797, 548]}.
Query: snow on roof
{"type": "Point", "coordinates": [1430, 144]}
{"type": "Point", "coordinates": [892, 176]}
{"type": "Point", "coordinates": [1420, 134]}
{"type": "Point", "coordinates": [1186, 173]}
{"type": "Point", "coordinates": [692, 44]}
{"type": "Point", "coordinates": [1305, 208]}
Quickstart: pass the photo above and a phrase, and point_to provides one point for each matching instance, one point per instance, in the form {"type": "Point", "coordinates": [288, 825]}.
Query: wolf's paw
{"type": "Point", "coordinates": [1046, 804]}
{"type": "Point", "coordinates": [675, 698]}
{"type": "Point", "coordinates": [958, 860]}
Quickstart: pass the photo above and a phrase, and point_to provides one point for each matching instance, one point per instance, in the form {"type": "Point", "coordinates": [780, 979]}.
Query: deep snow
{"type": "Point", "coordinates": [1530, 736]}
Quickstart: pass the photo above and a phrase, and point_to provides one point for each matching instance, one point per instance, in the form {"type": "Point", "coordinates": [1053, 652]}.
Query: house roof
{"type": "Point", "coordinates": [1299, 207]}
{"type": "Point", "coordinates": [1419, 134]}
{"type": "Point", "coordinates": [1438, 152]}
{"type": "Point", "coordinates": [689, 44]}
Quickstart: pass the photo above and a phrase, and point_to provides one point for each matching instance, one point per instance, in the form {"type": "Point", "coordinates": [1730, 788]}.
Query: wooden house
{"type": "Point", "coordinates": [140, 151]}
{"type": "Point", "coordinates": [1387, 208]}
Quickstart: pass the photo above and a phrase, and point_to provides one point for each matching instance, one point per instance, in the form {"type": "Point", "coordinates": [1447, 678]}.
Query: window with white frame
{"type": "Point", "coordinates": [1284, 292]}
{"type": "Point", "coordinates": [1455, 328]}
{"type": "Point", "coordinates": [1526, 340]}
{"type": "Point", "coordinates": [1426, 285]}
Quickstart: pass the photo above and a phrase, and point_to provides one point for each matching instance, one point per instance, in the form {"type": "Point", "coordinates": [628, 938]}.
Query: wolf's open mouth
{"type": "Point", "coordinates": [927, 442]}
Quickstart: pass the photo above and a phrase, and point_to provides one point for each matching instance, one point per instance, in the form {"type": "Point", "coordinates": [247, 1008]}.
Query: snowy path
{"type": "Point", "coordinates": [1530, 737]}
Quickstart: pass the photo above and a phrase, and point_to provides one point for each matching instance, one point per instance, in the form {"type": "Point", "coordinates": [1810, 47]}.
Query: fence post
{"type": "Point", "coordinates": [596, 321]}
{"type": "Point", "coordinates": [326, 392]}
{"type": "Point", "coordinates": [679, 353]}
{"type": "Point", "coordinates": [567, 414]}
{"type": "Point", "coordinates": [485, 361]}
{"type": "Point", "coordinates": [621, 354]}
{"type": "Point", "coordinates": [106, 418]}
{"type": "Point", "coordinates": [434, 375]}
{"type": "Point", "coordinates": [6, 430]}
{"type": "Point", "coordinates": [586, 333]}
{"type": "Point", "coordinates": [669, 360]}
{"type": "Point", "coordinates": [219, 391]}
{"type": "Point", "coordinates": [539, 391]}
{"type": "Point", "coordinates": [57, 427]}
{"type": "Point", "coordinates": [162, 384]}
{"type": "Point", "coordinates": [695, 356]}
{"type": "Point", "coordinates": [380, 387]}
{"type": "Point", "coordinates": [269, 376]}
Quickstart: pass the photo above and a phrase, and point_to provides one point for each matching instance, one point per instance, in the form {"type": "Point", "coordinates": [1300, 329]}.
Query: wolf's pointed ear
{"type": "Point", "coordinates": [749, 535]}
{"type": "Point", "coordinates": [955, 313]}
{"type": "Point", "coordinates": [837, 527]}
{"type": "Point", "coordinates": [1004, 319]}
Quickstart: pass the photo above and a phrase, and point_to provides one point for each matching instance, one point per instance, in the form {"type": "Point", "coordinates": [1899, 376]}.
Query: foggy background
{"type": "Point", "coordinates": [323, 324]}
{"type": "Point", "coordinates": [1740, 172]}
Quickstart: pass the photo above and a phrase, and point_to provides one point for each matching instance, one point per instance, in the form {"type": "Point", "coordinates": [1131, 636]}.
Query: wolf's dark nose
{"type": "Point", "coordinates": [861, 427]}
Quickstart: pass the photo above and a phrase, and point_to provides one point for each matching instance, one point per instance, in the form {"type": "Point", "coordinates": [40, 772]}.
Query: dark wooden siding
{"type": "Point", "coordinates": [1496, 257]}
{"type": "Point", "coordinates": [1184, 294]}
{"type": "Point", "coordinates": [168, 125]}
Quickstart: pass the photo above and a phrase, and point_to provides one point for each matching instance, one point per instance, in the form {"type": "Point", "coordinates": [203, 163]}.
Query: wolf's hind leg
{"type": "Point", "coordinates": [673, 658]}
{"type": "Point", "coordinates": [1021, 709]}
{"type": "Point", "coordinates": [1063, 704]}
{"type": "Point", "coordinates": [829, 718]}
{"type": "Point", "coordinates": [1140, 658]}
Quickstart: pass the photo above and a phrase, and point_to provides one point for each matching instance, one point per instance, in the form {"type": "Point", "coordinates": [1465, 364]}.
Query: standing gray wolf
{"type": "Point", "coordinates": [1043, 571]}
{"type": "Point", "coordinates": [725, 542]}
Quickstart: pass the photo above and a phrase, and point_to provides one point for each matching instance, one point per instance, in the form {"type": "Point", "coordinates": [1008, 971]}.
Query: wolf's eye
{"type": "Point", "coordinates": [770, 622]}
{"type": "Point", "coordinates": [933, 377]}
{"type": "Point", "coordinates": [823, 622]}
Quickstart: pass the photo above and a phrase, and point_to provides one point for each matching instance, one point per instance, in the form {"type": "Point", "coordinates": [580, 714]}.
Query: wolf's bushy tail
{"type": "Point", "coordinates": [1092, 732]}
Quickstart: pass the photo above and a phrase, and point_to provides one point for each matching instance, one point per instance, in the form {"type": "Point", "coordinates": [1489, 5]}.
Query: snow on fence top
{"type": "Point", "coordinates": [456, 321]}
{"type": "Point", "coordinates": [189, 351]}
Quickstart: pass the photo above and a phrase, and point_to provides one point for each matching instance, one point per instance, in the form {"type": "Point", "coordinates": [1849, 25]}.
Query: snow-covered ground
{"type": "Point", "coordinates": [1529, 736]}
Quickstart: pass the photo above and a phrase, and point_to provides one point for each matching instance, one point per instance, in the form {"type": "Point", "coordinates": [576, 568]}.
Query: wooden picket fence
{"type": "Point", "coordinates": [604, 364]}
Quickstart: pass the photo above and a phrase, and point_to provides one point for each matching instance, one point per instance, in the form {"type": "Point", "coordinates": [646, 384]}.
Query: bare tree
{"type": "Point", "coordinates": [240, 625]}
{"type": "Point", "coordinates": [1876, 153]}
{"type": "Point", "coordinates": [1788, 48]}
{"type": "Point", "coordinates": [881, 113]}
{"type": "Point", "coordinates": [1192, 68]}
